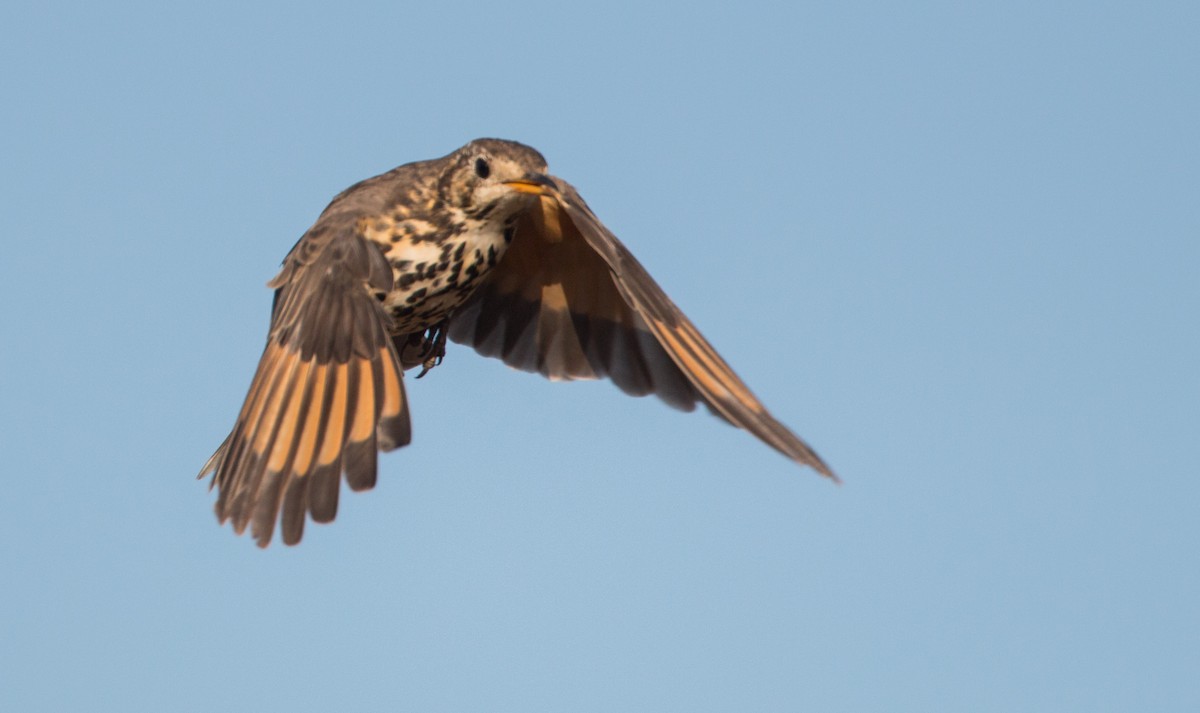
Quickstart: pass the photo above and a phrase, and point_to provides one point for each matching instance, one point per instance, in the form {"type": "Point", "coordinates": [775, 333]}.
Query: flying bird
{"type": "Point", "coordinates": [482, 247]}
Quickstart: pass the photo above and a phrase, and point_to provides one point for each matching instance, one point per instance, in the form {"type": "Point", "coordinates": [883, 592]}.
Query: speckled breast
{"type": "Point", "coordinates": [435, 267]}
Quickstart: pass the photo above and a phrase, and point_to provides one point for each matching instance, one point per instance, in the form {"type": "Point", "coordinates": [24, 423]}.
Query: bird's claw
{"type": "Point", "coordinates": [435, 343]}
{"type": "Point", "coordinates": [428, 364]}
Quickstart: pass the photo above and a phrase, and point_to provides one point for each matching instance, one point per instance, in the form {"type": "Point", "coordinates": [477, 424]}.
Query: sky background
{"type": "Point", "coordinates": [955, 248]}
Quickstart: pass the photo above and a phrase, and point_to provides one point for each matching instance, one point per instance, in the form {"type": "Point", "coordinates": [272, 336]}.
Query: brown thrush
{"type": "Point", "coordinates": [480, 246]}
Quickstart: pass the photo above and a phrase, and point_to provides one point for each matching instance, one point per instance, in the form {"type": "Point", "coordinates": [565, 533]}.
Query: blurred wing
{"type": "Point", "coordinates": [569, 301]}
{"type": "Point", "coordinates": [328, 393]}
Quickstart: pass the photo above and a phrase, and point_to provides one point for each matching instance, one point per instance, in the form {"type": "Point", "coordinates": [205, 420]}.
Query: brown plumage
{"type": "Point", "coordinates": [480, 246]}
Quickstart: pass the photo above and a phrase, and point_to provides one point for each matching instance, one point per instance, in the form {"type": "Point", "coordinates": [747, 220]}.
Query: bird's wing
{"type": "Point", "coordinates": [328, 391]}
{"type": "Point", "coordinates": [569, 301]}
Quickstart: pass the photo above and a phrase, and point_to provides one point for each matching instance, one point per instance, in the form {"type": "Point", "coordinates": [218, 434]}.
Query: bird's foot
{"type": "Point", "coordinates": [435, 346]}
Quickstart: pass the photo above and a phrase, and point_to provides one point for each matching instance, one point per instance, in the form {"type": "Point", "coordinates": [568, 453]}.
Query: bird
{"type": "Point", "coordinates": [482, 247]}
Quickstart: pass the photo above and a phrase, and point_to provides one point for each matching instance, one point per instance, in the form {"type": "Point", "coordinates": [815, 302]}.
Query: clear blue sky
{"type": "Point", "coordinates": [955, 248]}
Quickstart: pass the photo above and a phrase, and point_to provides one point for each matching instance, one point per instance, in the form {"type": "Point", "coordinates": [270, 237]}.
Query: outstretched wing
{"type": "Point", "coordinates": [569, 301]}
{"type": "Point", "coordinates": [328, 392]}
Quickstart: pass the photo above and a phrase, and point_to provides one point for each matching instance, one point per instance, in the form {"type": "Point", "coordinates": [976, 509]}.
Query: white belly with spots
{"type": "Point", "coordinates": [431, 280]}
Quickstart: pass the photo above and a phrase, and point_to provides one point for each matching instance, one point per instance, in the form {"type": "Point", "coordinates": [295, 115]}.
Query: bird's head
{"type": "Point", "coordinates": [494, 178]}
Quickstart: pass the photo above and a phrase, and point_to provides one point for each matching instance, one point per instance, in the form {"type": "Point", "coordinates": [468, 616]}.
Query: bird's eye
{"type": "Point", "coordinates": [482, 169]}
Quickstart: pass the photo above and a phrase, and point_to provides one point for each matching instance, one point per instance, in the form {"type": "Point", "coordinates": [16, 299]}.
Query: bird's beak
{"type": "Point", "coordinates": [534, 183]}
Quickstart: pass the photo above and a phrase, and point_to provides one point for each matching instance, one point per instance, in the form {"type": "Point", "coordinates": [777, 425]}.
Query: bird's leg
{"type": "Point", "coordinates": [435, 347]}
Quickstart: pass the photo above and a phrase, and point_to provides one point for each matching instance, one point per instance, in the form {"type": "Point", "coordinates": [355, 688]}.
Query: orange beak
{"type": "Point", "coordinates": [534, 183]}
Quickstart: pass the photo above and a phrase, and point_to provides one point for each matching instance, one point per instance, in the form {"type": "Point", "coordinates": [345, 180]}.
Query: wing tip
{"type": "Point", "coordinates": [808, 457]}
{"type": "Point", "coordinates": [826, 471]}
